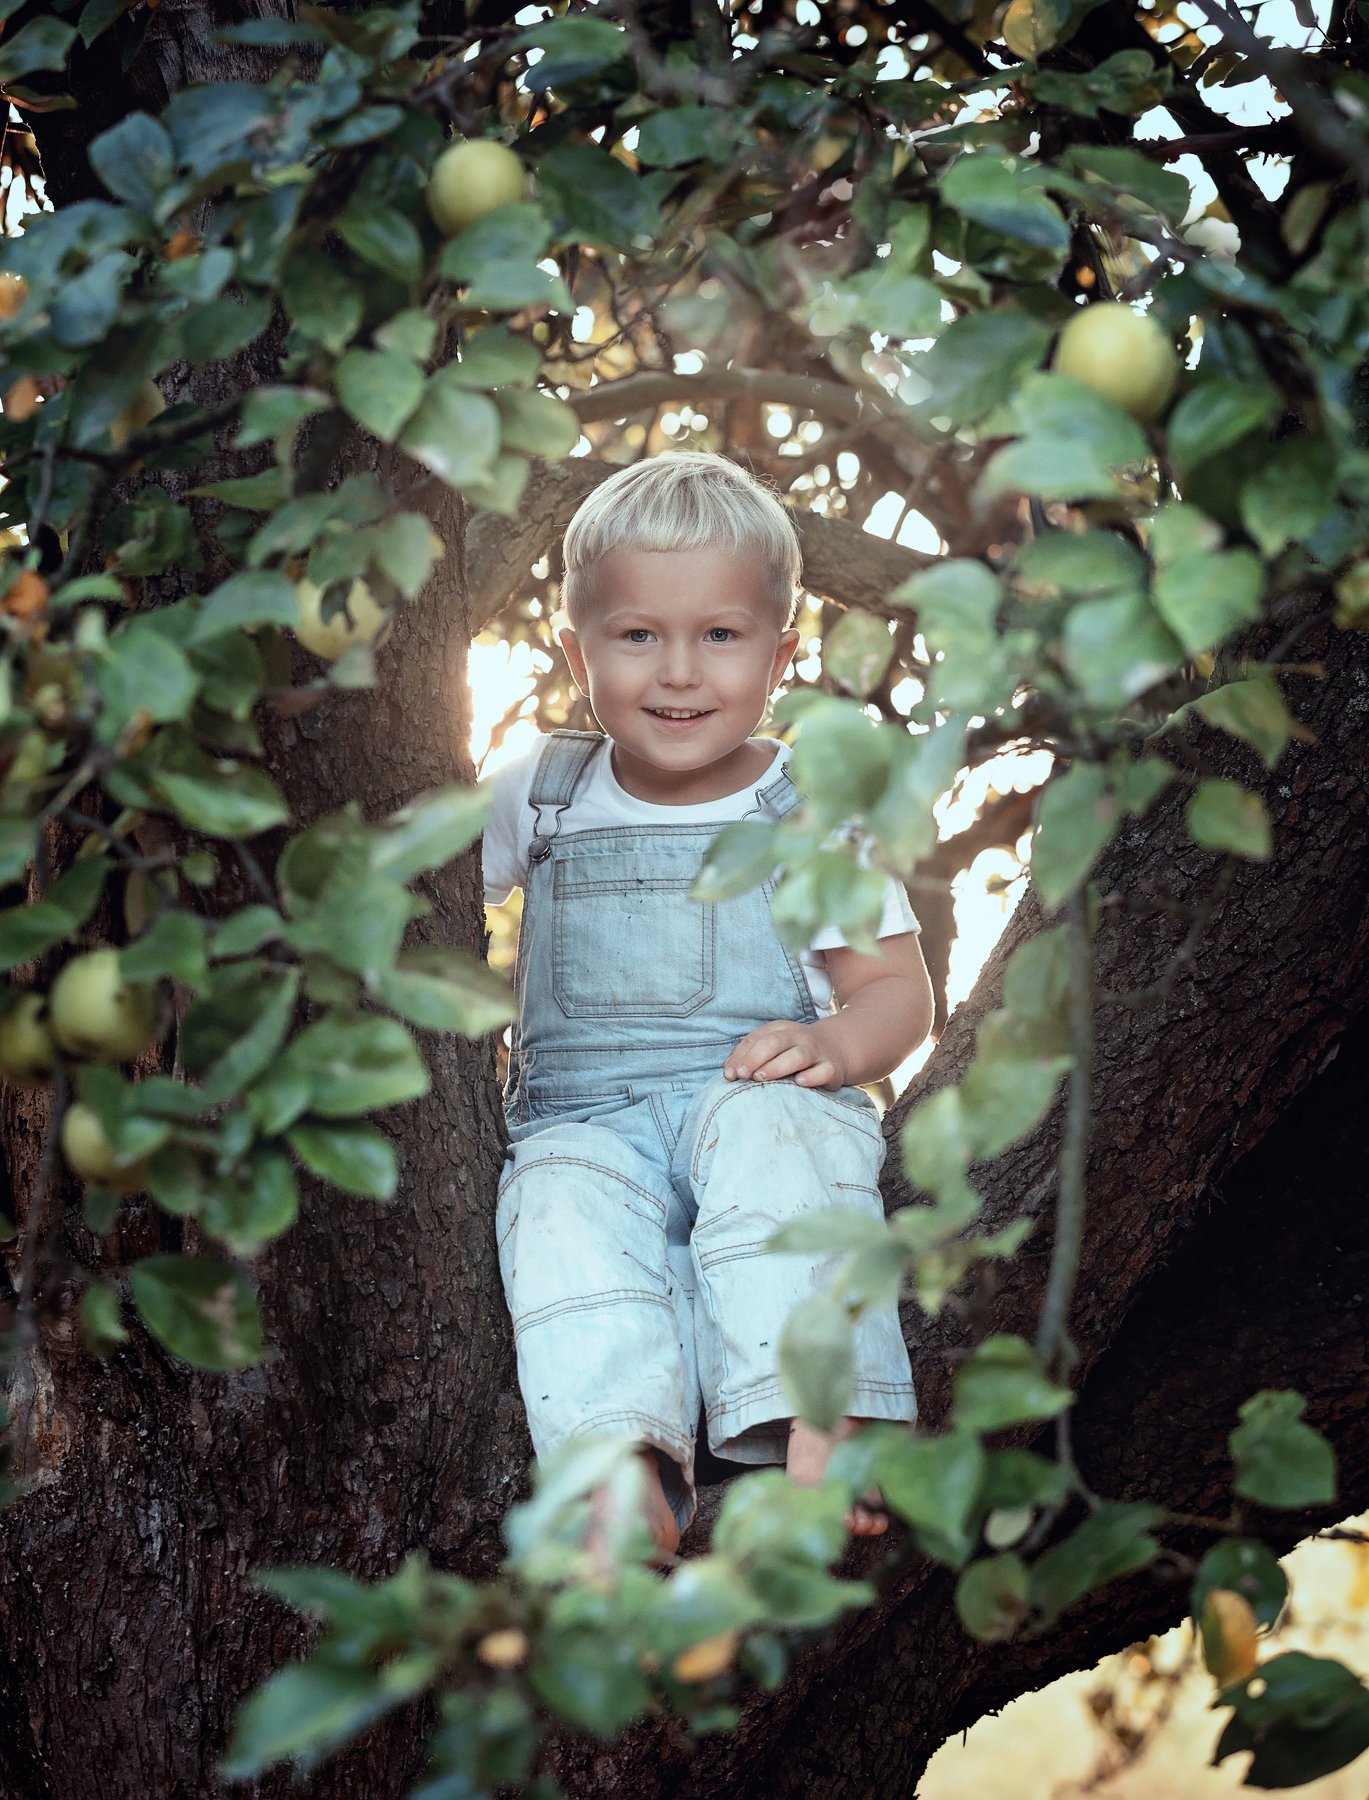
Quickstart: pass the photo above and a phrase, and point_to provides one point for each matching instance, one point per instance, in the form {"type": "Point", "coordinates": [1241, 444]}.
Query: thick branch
{"type": "Point", "coordinates": [840, 561]}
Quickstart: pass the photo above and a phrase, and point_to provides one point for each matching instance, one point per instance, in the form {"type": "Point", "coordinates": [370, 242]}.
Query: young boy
{"type": "Point", "coordinates": [679, 1087]}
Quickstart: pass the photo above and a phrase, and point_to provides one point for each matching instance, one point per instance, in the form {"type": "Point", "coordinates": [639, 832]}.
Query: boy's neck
{"type": "Point", "coordinates": [731, 774]}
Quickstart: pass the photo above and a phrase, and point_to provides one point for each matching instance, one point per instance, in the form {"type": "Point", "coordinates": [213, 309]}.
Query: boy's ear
{"type": "Point", "coordinates": [570, 649]}
{"type": "Point", "coordinates": [784, 655]}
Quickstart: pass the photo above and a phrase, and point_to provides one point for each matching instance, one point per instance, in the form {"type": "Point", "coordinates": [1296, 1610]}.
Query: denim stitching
{"type": "Point", "coordinates": [587, 1303]}
{"type": "Point", "coordinates": [578, 1162]}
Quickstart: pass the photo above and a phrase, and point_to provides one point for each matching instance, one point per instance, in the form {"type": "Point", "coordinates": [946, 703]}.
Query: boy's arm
{"type": "Point", "coordinates": [886, 1007]}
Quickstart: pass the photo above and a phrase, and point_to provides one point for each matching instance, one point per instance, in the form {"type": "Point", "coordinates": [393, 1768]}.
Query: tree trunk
{"type": "Point", "coordinates": [388, 1418]}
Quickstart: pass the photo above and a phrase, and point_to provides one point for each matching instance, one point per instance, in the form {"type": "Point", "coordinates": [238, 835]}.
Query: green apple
{"type": "Point", "coordinates": [361, 623]}
{"type": "Point", "coordinates": [141, 410]}
{"type": "Point", "coordinates": [28, 1055]}
{"type": "Point", "coordinates": [1122, 354]}
{"type": "Point", "coordinates": [472, 178]}
{"type": "Point", "coordinates": [99, 1015]}
{"type": "Point", "coordinates": [88, 1150]}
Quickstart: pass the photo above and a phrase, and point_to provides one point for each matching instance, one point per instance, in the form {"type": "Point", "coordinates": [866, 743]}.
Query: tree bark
{"type": "Point", "coordinates": [388, 1418]}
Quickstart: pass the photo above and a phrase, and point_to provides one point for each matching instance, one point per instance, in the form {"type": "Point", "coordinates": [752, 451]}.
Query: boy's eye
{"type": "Point", "coordinates": [636, 633]}
{"type": "Point", "coordinates": [721, 634]}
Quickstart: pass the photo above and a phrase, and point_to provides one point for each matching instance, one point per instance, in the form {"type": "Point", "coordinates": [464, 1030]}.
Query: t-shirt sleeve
{"type": "Point", "coordinates": [898, 916]}
{"type": "Point", "coordinates": [505, 851]}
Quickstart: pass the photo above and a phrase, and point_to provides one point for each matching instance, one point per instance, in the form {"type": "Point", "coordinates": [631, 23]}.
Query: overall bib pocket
{"type": "Point", "coordinates": [620, 948]}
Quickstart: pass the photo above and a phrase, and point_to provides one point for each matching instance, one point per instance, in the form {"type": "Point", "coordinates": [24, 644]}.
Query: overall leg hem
{"type": "Point", "coordinates": [677, 1471]}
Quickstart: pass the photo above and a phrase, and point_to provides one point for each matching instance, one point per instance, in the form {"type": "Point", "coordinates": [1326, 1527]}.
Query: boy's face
{"type": "Point", "coordinates": [692, 632]}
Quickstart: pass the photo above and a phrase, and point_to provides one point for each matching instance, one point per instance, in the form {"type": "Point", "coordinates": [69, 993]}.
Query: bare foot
{"type": "Point", "coordinates": [806, 1464]}
{"type": "Point", "coordinates": [655, 1511]}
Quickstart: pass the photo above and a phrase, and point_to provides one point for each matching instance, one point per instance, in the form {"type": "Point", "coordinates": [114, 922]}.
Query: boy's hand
{"type": "Point", "coordinates": [786, 1049]}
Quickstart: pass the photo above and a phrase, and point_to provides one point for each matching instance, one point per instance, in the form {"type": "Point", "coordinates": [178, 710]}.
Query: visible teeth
{"type": "Point", "coordinates": [661, 713]}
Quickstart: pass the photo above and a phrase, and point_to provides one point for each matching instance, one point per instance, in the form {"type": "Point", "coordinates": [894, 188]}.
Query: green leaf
{"type": "Point", "coordinates": [1302, 1716]}
{"type": "Point", "coordinates": [493, 358]}
{"type": "Point", "coordinates": [1280, 1461]}
{"type": "Point", "coordinates": [234, 1031]}
{"type": "Point", "coordinates": [933, 1483]}
{"type": "Point", "coordinates": [936, 1144]}
{"type": "Point", "coordinates": [320, 298]}
{"type": "Point", "coordinates": [1247, 1569]}
{"type": "Point", "coordinates": [412, 333]}
{"type": "Point", "coordinates": [1076, 818]}
{"type": "Point", "coordinates": [276, 413]}
{"type": "Point", "coordinates": [1007, 196]}
{"type": "Point", "coordinates": [454, 432]}
{"type": "Point", "coordinates": [84, 308]}
{"type": "Point", "coordinates": [817, 1360]}
{"type": "Point", "coordinates": [1204, 597]}
{"type": "Point", "coordinates": [684, 134]}
{"type": "Point", "coordinates": [1125, 174]}
{"type": "Point", "coordinates": [1073, 441]}
{"type": "Point", "coordinates": [139, 670]}
{"type": "Point", "coordinates": [34, 929]}
{"type": "Point", "coordinates": [1129, 81]}
{"type": "Point", "coordinates": [173, 944]}
{"type": "Point", "coordinates": [41, 44]}
{"type": "Point", "coordinates": [1253, 710]}
{"type": "Point", "coordinates": [977, 364]}
{"type": "Point", "coordinates": [202, 1311]}
{"type": "Point", "coordinates": [1003, 1384]}
{"type": "Point", "coordinates": [590, 1678]}
{"type": "Point", "coordinates": [1291, 492]}
{"type": "Point", "coordinates": [357, 1065]}
{"type": "Point", "coordinates": [1016, 1478]}
{"type": "Point", "coordinates": [991, 1597]}
{"type": "Point", "coordinates": [254, 597]}
{"type": "Point", "coordinates": [857, 651]}
{"type": "Point", "coordinates": [447, 990]}
{"type": "Point", "coordinates": [356, 1158]}
{"type": "Point", "coordinates": [380, 388]}
{"type": "Point", "coordinates": [1011, 1083]}
{"type": "Point", "coordinates": [430, 831]}
{"type": "Point", "coordinates": [253, 493]}
{"type": "Point", "coordinates": [1115, 649]}
{"type": "Point", "coordinates": [1213, 416]}
{"type": "Point", "coordinates": [102, 1329]}
{"type": "Point", "coordinates": [572, 47]}
{"type": "Point", "coordinates": [134, 160]}
{"type": "Point", "coordinates": [825, 1233]}
{"type": "Point", "coordinates": [1222, 815]}
{"type": "Point", "coordinates": [537, 424]}
{"type": "Point", "coordinates": [1114, 1541]}
{"type": "Point", "coordinates": [260, 1203]}
{"type": "Point", "coordinates": [738, 859]}
{"type": "Point", "coordinates": [597, 199]}
{"type": "Point", "coordinates": [383, 237]}
{"type": "Point", "coordinates": [496, 259]}
{"type": "Point", "coordinates": [406, 547]}
{"type": "Point", "coordinates": [232, 800]}
{"type": "Point", "coordinates": [303, 1711]}
{"type": "Point", "coordinates": [245, 931]}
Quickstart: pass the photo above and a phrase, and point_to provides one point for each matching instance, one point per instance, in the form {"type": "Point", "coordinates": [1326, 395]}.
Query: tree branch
{"type": "Point", "coordinates": [840, 561]}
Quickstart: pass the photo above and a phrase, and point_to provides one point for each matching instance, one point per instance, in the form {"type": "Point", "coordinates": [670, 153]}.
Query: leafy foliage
{"type": "Point", "coordinates": [915, 223]}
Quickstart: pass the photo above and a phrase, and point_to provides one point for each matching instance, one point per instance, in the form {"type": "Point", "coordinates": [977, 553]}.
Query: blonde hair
{"type": "Point", "coordinates": [685, 500]}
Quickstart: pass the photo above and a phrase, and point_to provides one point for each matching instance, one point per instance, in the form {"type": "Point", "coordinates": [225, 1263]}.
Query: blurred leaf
{"type": "Point", "coordinates": [572, 47]}
{"type": "Point", "coordinates": [1203, 597]}
{"type": "Point", "coordinates": [977, 363]}
{"type": "Point", "coordinates": [933, 1483]}
{"type": "Point", "coordinates": [382, 236]}
{"type": "Point", "coordinates": [1114, 1541]}
{"type": "Point", "coordinates": [817, 1361]}
{"type": "Point", "coordinates": [380, 388]}
{"type": "Point", "coordinates": [356, 1158]}
{"type": "Point", "coordinates": [1253, 710]}
{"type": "Point", "coordinates": [134, 160]}
{"type": "Point", "coordinates": [204, 1312]}
{"type": "Point", "coordinates": [1007, 196]}
{"type": "Point", "coordinates": [1072, 443]}
{"type": "Point", "coordinates": [1076, 818]}
{"type": "Point", "coordinates": [1280, 1461]}
{"type": "Point", "coordinates": [173, 944]}
{"type": "Point", "coordinates": [39, 926]}
{"type": "Point", "coordinates": [431, 830]}
{"type": "Point", "coordinates": [1222, 815]}
{"type": "Point", "coordinates": [1244, 1568]}
{"type": "Point", "coordinates": [1212, 416]}
{"type": "Point", "coordinates": [454, 433]}
{"type": "Point", "coordinates": [991, 1597]}
{"type": "Point", "coordinates": [741, 856]}
{"type": "Point", "coordinates": [357, 1065]}
{"type": "Point", "coordinates": [857, 652]}
{"type": "Point", "coordinates": [303, 1711]}
{"type": "Point", "coordinates": [1003, 1383]}
{"type": "Point", "coordinates": [447, 990]}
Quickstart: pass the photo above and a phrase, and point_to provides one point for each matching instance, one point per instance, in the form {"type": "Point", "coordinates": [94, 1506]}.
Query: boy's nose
{"type": "Point", "coordinates": [680, 668]}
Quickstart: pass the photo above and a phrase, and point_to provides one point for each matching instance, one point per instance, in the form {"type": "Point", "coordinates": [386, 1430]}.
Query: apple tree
{"type": "Point", "coordinates": [293, 361]}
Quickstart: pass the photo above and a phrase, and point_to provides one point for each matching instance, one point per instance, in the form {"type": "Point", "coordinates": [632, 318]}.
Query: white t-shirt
{"type": "Point", "coordinates": [600, 800]}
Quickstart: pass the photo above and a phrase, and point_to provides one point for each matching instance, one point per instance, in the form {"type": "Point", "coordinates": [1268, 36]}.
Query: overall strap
{"type": "Point", "coordinates": [780, 796]}
{"type": "Point", "coordinates": [561, 765]}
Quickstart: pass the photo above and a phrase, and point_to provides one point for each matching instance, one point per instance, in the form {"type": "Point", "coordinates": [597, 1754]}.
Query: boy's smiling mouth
{"type": "Point", "coordinates": [676, 715]}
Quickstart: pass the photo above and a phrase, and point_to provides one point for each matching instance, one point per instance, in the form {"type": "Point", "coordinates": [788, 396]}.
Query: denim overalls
{"type": "Point", "coordinates": [640, 1184]}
